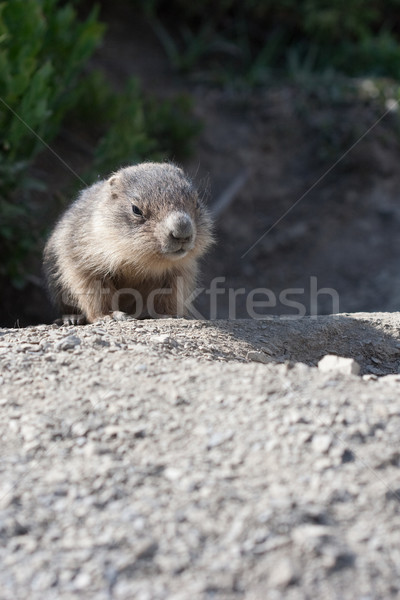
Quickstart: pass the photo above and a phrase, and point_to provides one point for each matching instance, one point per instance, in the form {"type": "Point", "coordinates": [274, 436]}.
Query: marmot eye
{"type": "Point", "coordinates": [136, 211]}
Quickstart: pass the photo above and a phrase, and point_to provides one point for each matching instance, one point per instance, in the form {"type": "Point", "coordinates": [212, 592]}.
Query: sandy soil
{"type": "Point", "coordinates": [181, 459]}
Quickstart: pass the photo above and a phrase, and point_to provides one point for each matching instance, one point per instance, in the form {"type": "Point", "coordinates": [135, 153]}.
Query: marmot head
{"type": "Point", "coordinates": [157, 217]}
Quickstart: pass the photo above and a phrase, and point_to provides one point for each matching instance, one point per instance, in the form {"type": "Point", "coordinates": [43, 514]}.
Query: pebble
{"type": "Point", "coordinates": [219, 438]}
{"type": "Point", "coordinates": [321, 442]}
{"type": "Point", "coordinates": [68, 343]}
{"type": "Point", "coordinates": [303, 533]}
{"type": "Point", "coordinates": [347, 456]}
{"type": "Point", "coordinates": [100, 342]}
{"type": "Point", "coordinates": [338, 364]}
{"type": "Point", "coordinates": [255, 356]}
{"type": "Point", "coordinates": [81, 581]}
{"type": "Point", "coordinates": [146, 550]}
{"type": "Point", "coordinates": [163, 339]}
{"type": "Point", "coordinates": [283, 574]}
{"type": "Point", "coordinates": [173, 474]}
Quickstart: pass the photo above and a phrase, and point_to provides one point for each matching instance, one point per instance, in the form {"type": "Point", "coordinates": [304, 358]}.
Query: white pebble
{"type": "Point", "coordinates": [338, 364]}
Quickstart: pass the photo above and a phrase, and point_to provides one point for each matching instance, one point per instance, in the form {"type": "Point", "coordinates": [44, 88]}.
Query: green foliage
{"type": "Point", "coordinates": [134, 126]}
{"type": "Point", "coordinates": [41, 85]}
{"type": "Point", "coordinates": [253, 40]}
{"type": "Point", "coordinates": [140, 127]}
{"type": "Point", "coordinates": [43, 48]}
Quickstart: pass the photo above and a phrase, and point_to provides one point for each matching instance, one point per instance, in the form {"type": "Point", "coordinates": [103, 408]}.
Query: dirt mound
{"type": "Point", "coordinates": [175, 459]}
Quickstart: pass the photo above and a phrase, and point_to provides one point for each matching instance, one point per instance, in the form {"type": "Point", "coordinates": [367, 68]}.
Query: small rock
{"type": "Point", "coordinates": [146, 550]}
{"type": "Point", "coordinates": [79, 429]}
{"type": "Point", "coordinates": [163, 339]}
{"type": "Point", "coordinates": [338, 364]}
{"type": "Point", "coordinates": [376, 360]}
{"type": "Point", "coordinates": [308, 533]}
{"type": "Point", "coordinates": [30, 348]}
{"type": "Point", "coordinates": [112, 431]}
{"type": "Point", "coordinates": [140, 432]}
{"type": "Point", "coordinates": [370, 377]}
{"type": "Point", "coordinates": [99, 331]}
{"type": "Point", "coordinates": [256, 356]}
{"type": "Point", "coordinates": [173, 474]}
{"type": "Point", "coordinates": [321, 442]}
{"type": "Point", "coordinates": [283, 574]}
{"type": "Point", "coordinates": [347, 456]}
{"type": "Point", "coordinates": [68, 343]}
{"type": "Point", "coordinates": [28, 432]}
{"type": "Point", "coordinates": [217, 439]}
{"type": "Point", "coordinates": [6, 494]}
{"type": "Point", "coordinates": [119, 315]}
{"type": "Point", "coordinates": [82, 581]}
{"type": "Point", "coordinates": [100, 342]}
{"type": "Point", "coordinates": [303, 437]}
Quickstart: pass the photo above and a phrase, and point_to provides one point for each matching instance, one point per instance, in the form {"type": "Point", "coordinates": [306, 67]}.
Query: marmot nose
{"type": "Point", "coordinates": [180, 238]}
{"type": "Point", "coordinates": [181, 228]}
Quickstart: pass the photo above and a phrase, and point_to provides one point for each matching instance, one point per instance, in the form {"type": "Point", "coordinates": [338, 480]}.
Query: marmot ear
{"type": "Point", "coordinates": [112, 181]}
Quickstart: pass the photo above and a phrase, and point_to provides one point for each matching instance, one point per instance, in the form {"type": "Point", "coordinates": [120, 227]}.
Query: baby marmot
{"type": "Point", "coordinates": [129, 243]}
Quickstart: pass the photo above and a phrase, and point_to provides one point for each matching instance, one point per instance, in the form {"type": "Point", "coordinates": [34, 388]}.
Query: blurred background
{"type": "Point", "coordinates": [267, 104]}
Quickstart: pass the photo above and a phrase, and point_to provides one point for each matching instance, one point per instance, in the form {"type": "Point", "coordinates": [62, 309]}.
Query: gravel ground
{"type": "Point", "coordinates": [204, 460]}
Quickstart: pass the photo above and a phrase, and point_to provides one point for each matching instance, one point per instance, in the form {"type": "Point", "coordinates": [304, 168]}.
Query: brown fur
{"type": "Point", "coordinates": [100, 247]}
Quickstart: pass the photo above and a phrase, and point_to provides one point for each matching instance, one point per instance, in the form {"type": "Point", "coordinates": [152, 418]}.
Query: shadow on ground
{"type": "Point", "coordinates": [372, 339]}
